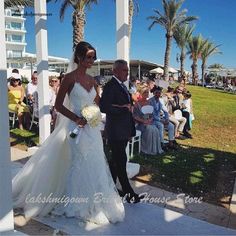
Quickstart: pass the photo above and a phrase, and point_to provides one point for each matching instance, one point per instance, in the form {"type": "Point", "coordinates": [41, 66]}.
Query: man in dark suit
{"type": "Point", "coordinates": [116, 103]}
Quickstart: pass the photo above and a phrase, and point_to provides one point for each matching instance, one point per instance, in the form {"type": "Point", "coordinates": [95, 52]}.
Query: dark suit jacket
{"type": "Point", "coordinates": [119, 121]}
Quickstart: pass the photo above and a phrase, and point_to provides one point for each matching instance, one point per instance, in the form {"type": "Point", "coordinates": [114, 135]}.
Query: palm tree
{"type": "Point", "coordinates": [208, 50]}
{"type": "Point", "coordinates": [13, 3]}
{"type": "Point", "coordinates": [195, 47]}
{"type": "Point", "coordinates": [182, 35]}
{"type": "Point", "coordinates": [170, 20]}
{"type": "Point", "coordinates": [78, 21]}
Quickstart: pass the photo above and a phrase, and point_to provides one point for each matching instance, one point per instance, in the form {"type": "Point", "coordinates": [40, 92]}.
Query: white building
{"type": "Point", "coordinates": [15, 34]}
{"type": "Point", "coordinates": [17, 57]}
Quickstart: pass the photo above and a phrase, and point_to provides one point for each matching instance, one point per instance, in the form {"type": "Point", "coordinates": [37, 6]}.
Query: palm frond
{"type": "Point", "coordinates": [63, 8]}
{"type": "Point", "coordinates": [88, 3]}
{"type": "Point", "coordinates": [195, 46]}
{"type": "Point", "coordinates": [182, 34]}
{"type": "Point", "coordinates": [209, 49]}
{"type": "Point", "coordinates": [13, 3]}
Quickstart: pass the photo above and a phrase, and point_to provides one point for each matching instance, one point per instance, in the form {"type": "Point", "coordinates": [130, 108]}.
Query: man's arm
{"type": "Point", "coordinates": [107, 102]}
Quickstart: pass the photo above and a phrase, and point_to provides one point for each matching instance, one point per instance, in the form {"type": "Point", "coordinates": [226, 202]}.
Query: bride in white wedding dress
{"type": "Point", "coordinates": [70, 176]}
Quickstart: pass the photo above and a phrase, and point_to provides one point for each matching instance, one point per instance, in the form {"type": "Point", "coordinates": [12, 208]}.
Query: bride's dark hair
{"type": "Point", "coordinates": [81, 49]}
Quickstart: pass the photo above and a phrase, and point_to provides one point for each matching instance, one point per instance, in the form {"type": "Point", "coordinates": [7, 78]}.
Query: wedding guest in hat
{"type": "Point", "coordinates": [16, 95]}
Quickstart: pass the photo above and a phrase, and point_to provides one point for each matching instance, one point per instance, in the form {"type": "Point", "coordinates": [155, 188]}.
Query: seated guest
{"type": "Point", "coordinates": [162, 122]}
{"type": "Point", "coordinates": [188, 106]}
{"type": "Point", "coordinates": [132, 84]}
{"type": "Point", "coordinates": [53, 90]}
{"type": "Point", "coordinates": [133, 89]}
{"type": "Point", "coordinates": [54, 83]}
{"type": "Point", "coordinates": [31, 89]}
{"type": "Point", "coordinates": [150, 138]}
{"type": "Point", "coordinates": [150, 84]}
{"type": "Point", "coordinates": [16, 95]}
{"type": "Point", "coordinates": [137, 96]}
{"type": "Point", "coordinates": [178, 98]}
{"type": "Point", "coordinates": [178, 121]}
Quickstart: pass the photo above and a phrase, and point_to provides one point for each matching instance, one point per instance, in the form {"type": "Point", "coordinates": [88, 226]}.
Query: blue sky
{"type": "Point", "coordinates": [216, 22]}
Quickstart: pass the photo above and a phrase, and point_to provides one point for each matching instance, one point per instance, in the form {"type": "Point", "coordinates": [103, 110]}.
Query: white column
{"type": "Point", "coordinates": [122, 38]}
{"type": "Point", "coordinates": [6, 213]}
{"type": "Point", "coordinates": [122, 45]}
{"type": "Point", "coordinates": [42, 69]}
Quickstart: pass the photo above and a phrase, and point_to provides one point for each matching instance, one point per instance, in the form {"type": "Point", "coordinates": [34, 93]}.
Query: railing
{"type": "Point", "coordinates": [15, 28]}
{"type": "Point", "coordinates": [15, 41]}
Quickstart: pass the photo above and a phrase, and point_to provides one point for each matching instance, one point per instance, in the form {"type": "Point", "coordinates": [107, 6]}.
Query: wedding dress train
{"type": "Point", "coordinates": [69, 176]}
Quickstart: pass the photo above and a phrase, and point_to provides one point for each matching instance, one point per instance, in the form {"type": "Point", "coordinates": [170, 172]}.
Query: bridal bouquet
{"type": "Point", "coordinates": [92, 115]}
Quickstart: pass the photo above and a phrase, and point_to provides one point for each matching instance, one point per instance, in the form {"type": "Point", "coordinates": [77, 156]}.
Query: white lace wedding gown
{"type": "Point", "coordinates": [68, 176]}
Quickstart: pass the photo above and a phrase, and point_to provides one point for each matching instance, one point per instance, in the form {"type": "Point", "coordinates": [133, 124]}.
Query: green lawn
{"type": "Point", "coordinates": [23, 138]}
{"type": "Point", "coordinates": [205, 165]}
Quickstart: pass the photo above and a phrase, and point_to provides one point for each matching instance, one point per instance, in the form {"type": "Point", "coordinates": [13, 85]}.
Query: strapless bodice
{"type": "Point", "coordinates": [80, 97]}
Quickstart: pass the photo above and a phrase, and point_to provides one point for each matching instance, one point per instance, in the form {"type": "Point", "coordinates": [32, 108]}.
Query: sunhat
{"type": "Point", "coordinates": [15, 76]}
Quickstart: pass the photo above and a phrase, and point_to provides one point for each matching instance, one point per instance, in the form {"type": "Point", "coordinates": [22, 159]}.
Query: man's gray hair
{"type": "Point", "coordinates": [119, 62]}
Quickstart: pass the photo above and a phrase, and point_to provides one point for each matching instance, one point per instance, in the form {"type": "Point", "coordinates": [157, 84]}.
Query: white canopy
{"type": "Point", "coordinates": [172, 70]}
{"type": "Point", "coordinates": [157, 70]}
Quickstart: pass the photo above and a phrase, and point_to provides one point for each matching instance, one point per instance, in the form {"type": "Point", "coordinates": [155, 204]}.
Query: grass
{"type": "Point", "coordinates": [23, 138]}
{"type": "Point", "coordinates": [215, 124]}
{"type": "Point", "coordinates": [205, 165]}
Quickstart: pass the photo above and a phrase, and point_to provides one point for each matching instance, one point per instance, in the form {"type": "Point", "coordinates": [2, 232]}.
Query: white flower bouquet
{"type": "Point", "coordinates": [92, 115]}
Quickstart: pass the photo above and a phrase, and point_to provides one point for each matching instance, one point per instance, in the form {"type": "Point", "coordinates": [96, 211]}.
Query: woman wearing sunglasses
{"type": "Point", "coordinates": [16, 95]}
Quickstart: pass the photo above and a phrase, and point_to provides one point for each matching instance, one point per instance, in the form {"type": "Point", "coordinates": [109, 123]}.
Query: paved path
{"type": "Point", "coordinates": [141, 219]}
{"type": "Point", "coordinates": [178, 208]}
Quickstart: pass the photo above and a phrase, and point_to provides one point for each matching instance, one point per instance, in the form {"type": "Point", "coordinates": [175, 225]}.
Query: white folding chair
{"type": "Point", "coordinates": [34, 116]}
{"type": "Point", "coordinates": [136, 138]}
{"type": "Point", "coordinates": [133, 168]}
{"type": "Point", "coordinates": [13, 118]}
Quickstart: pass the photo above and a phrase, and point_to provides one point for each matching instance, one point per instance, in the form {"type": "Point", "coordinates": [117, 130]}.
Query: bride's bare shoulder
{"type": "Point", "coordinates": [71, 74]}
{"type": "Point", "coordinates": [69, 77]}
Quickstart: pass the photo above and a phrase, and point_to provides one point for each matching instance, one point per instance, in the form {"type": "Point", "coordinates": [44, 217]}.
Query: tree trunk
{"type": "Point", "coordinates": [78, 27]}
{"type": "Point", "coordinates": [182, 58]}
{"type": "Point", "coordinates": [194, 72]}
{"type": "Point", "coordinates": [203, 73]}
{"type": "Point", "coordinates": [167, 57]}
